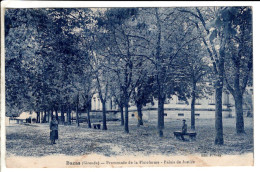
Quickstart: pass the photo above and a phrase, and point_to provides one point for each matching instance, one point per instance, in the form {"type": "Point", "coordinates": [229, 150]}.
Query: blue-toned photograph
{"type": "Point", "coordinates": [122, 87]}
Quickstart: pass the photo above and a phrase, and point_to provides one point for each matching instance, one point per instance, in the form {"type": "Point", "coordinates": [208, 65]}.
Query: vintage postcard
{"type": "Point", "coordinates": [94, 87]}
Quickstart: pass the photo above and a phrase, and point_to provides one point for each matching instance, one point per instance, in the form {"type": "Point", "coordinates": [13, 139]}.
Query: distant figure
{"type": "Point", "coordinates": [183, 129]}
{"type": "Point", "coordinates": [54, 130]}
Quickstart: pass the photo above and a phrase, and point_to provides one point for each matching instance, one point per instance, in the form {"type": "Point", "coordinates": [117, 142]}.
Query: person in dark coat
{"type": "Point", "coordinates": [54, 130]}
{"type": "Point", "coordinates": [183, 129]}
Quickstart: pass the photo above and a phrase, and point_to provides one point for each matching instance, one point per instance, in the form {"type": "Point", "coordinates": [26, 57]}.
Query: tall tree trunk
{"type": "Point", "coordinates": [122, 114]}
{"type": "Point", "coordinates": [51, 114]}
{"type": "Point", "coordinates": [48, 114]}
{"type": "Point", "coordinates": [126, 115]}
{"type": "Point", "coordinates": [38, 117]}
{"type": "Point", "coordinates": [239, 113]}
{"type": "Point", "coordinates": [219, 140]}
{"type": "Point", "coordinates": [56, 114]}
{"type": "Point", "coordinates": [218, 114]}
{"type": "Point", "coordinates": [89, 122]}
{"type": "Point", "coordinates": [68, 116]}
{"type": "Point", "coordinates": [77, 114]}
{"type": "Point", "coordinates": [104, 115]}
{"type": "Point", "coordinates": [159, 76]}
{"type": "Point", "coordinates": [160, 116]}
{"type": "Point", "coordinates": [77, 110]}
{"type": "Point", "coordinates": [238, 96]}
{"type": "Point", "coordinates": [193, 99]}
{"type": "Point", "coordinates": [88, 106]}
{"type": "Point", "coordinates": [62, 114]}
{"type": "Point", "coordinates": [126, 119]}
{"type": "Point", "coordinates": [140, 115]}
{"type": "Point", "coordinates": [71, 115]}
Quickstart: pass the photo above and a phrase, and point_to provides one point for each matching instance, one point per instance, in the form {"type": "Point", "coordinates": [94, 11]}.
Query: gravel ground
{"type": "Point", "coordinates": [33, 139]}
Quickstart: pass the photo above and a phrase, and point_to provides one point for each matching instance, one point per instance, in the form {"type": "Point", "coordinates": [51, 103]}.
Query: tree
{"type": "Point", "coordinates": [121, 44]}
{"type": "Point", "coordinates": [117, 95]}
{"type": "Point", "coordinates": [88, 92]}
{"type": "Point", "coordinates": [197, 69]}
{"type": "Point", "coordinates": [143, 95]}
{"type": "Point", "coordinates": [102, 80]}
{"type": "Point", "coordinates": [22, 41]}
{"type": "Point", "coordinates": [216, 31]}
{"type": "Point", "coordinates": [72, 48]}
{"type": "Point", "coordinates": [48, 55]}
{"type": "Point", "coordinates": [239, 57]}
{"type": "Point", "coordinates": [168, 32]}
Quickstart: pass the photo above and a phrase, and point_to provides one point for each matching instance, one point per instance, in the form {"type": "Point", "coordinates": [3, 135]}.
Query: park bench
{"type": "Point", "coordinates": [96, 126]}
{"type": "Point", "coordinates": [178, 134]}
{"type": "Point", "coordinates": [28, 120]}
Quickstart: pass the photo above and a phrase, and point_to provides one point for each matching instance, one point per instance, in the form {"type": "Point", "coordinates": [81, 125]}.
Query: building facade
{"type": "Point", "coordinates": [176, 108]}
{"type": "Point", "coordinates": [96, 104]}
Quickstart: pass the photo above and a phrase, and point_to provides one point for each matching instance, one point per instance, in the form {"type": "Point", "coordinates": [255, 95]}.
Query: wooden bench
{"type": "Point", "coordinates": [96, 126]}
{"type": "Point", "coordinates": [178, 134]}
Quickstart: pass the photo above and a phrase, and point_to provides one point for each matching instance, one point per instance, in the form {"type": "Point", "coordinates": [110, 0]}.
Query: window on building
{"type": "Point", "coordinates": [197, 114]}
{"type": "Point", "coordinates": [180, 114]}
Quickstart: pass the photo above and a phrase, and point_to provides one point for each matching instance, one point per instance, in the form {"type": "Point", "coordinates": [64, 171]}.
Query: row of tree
{"type": "Point", "coordinates": [57, 59]}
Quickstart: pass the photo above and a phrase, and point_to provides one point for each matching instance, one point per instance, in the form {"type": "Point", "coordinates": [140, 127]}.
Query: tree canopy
{"type": "Point", "coordinates": [59, 58]}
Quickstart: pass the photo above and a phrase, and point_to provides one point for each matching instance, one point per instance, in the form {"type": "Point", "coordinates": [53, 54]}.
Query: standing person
{"type": "Point", "coordinates": [183, 129]}
{"type": "Point", "coordinates": [54, 130]}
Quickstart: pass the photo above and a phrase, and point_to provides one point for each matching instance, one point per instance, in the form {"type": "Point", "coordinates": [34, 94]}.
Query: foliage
{"type": "Point", "coordinates": [61, 57]}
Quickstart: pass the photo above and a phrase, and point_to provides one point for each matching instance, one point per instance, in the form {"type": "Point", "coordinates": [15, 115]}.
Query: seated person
{"type": "Point", "coordinates": [183, 129]}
